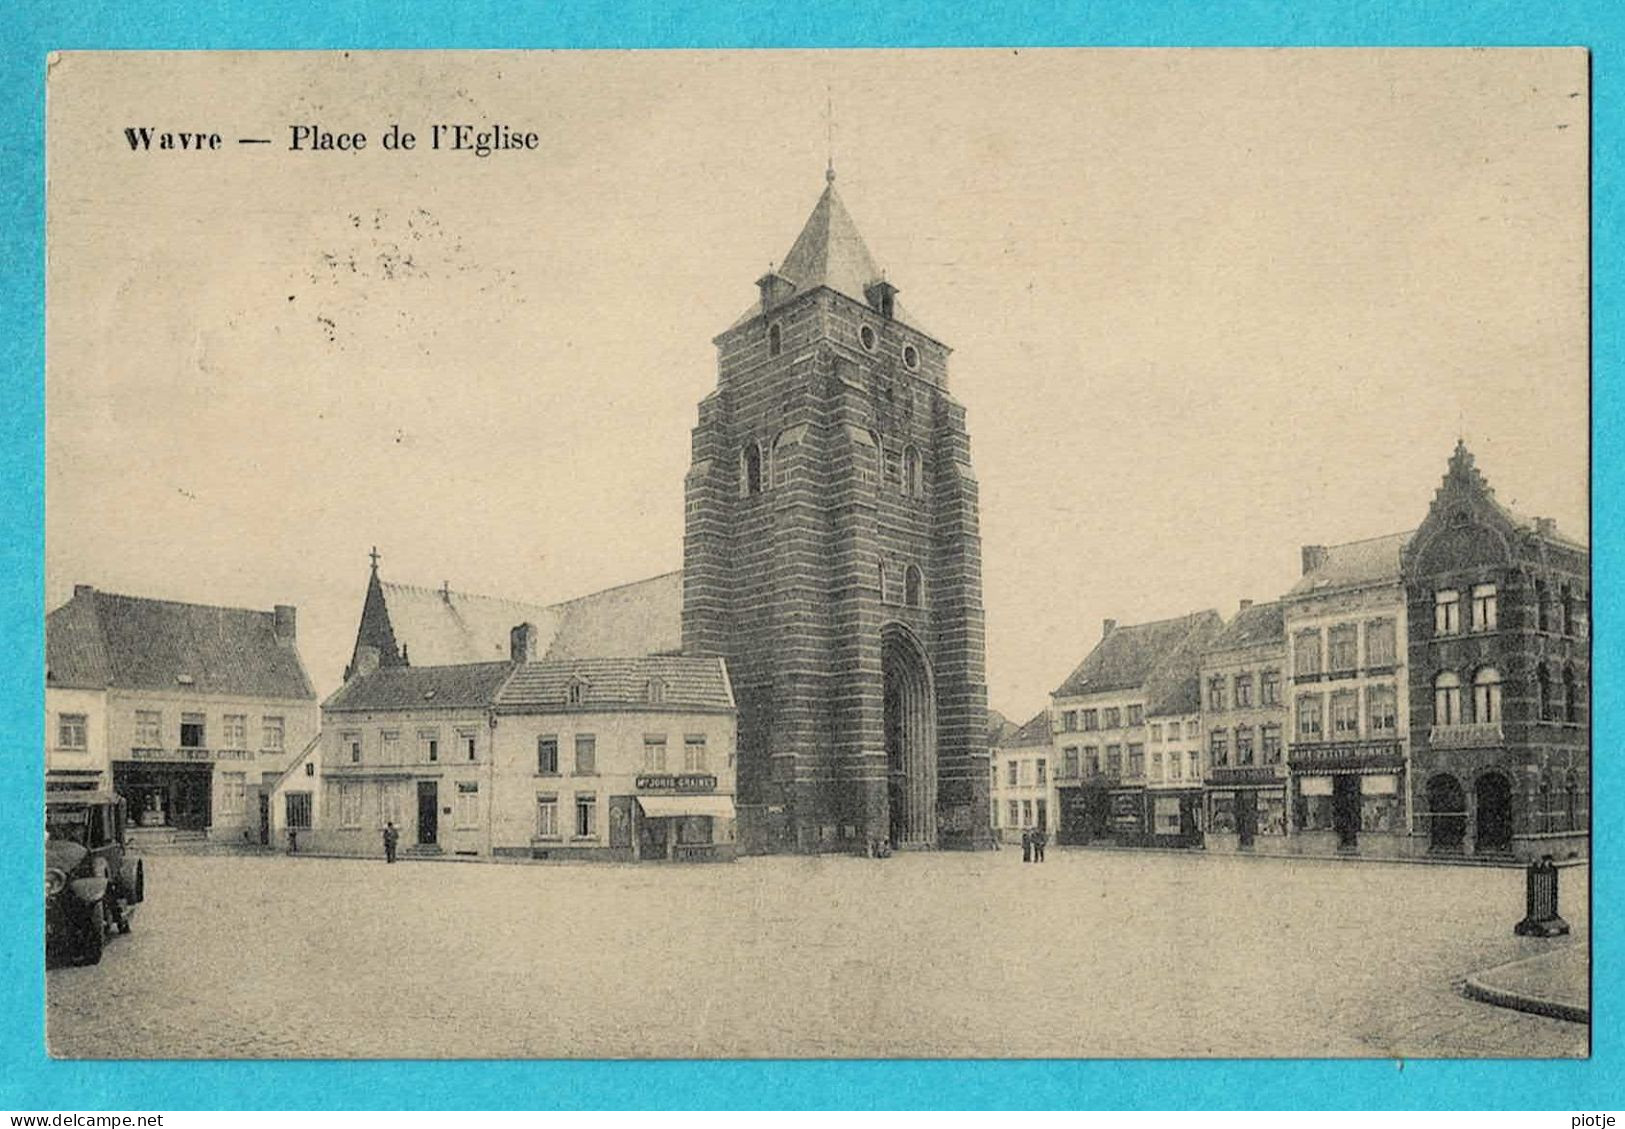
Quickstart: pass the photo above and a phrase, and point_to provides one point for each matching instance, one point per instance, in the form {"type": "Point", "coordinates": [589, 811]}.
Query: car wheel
{"type": "Point", "coordinates": [93, 936]}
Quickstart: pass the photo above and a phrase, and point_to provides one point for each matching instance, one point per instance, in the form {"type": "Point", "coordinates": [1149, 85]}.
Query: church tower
{"type": "Point", "coordinates": [832, 554]}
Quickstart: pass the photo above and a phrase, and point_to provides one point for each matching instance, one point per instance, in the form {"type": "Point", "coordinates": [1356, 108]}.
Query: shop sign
{"type": "Point", "coordinates": [677, 782]}
{"type": "Point", "coordinates": [169, 754]}
{"type": "Point", "coordinates": [1126, 809]}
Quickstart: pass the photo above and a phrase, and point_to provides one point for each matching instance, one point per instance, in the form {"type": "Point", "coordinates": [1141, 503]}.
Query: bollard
{"type": "Point", "coordinates": [1540, 902]}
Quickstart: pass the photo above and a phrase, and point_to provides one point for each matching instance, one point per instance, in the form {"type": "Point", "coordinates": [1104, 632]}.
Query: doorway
{"type": "Point", "coordinates": [1346, 811]}
{"type": "Point", "coordinates": [910, 726]}
{"type": "Point", "coordinates": [1447, 814]}
{"type": "Point", "coordinates": [1246, 818]}
{"type": "Point", "coordinates": [265, 819]}
{"type": "Point", "coordinates": [428, 812]}
{"type": "Point", "coordinates": [1493, 829]}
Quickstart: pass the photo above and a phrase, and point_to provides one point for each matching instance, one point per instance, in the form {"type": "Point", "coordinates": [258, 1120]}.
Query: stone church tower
{"type": "Point", "coordinates": [832, 555]}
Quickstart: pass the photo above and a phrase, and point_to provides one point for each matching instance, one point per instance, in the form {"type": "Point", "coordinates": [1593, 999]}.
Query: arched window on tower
{"type": "Point", "coordinates": [1565, 623]}
{"type": "Point", "coordinates": [1542, 614]}
{"type": "Point", "coordinates": [1571, 696]}
{"type": "Point", "coordinates": [1487, 696]}
{"type": "Point", "coordinates": [1543, 694]}
{"type": "Point", "coordinates": [750, 470]}
{"type": "Point", "coordinates": [783, 447]}
{"type": "Point", "coordinates": [913, 588]}
{"type": "Point", "coordinates": [775, 340]}
{"type": "Point", "coordinates": [913, 472]}
{"type": "Point", "coordinates": [885, 596]}
{"type": "Point", "coordinates": [1447, 699]}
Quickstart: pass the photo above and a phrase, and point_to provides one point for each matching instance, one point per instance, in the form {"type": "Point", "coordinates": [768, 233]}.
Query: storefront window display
{"type": "Point", "coordinates": [1223, 819]}
{"type": "Point", "coordinates": [1272, 813]}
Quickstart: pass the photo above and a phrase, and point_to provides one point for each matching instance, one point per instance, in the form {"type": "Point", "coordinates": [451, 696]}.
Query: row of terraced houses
{"type": "Point", "coordinates": [1420, 693]}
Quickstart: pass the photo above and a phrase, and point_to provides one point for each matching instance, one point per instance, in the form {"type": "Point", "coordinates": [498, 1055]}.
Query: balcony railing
{"type": "Point", "coordinates": [1346, 754]}
{"type": "Point", "coordinates": [1473, 735]}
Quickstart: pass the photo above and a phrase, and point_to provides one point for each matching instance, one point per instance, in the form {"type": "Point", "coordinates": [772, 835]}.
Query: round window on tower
{"type": "Point", "coordinates": [867, 336]}
{"type": "Point", "coordinates": [911, 358]}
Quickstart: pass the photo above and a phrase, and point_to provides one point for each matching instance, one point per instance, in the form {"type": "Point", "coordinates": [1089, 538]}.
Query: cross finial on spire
{"type": "Point", "coordinates": [829, 134]}
{"type": "Point", "coordinates": [374, 556]}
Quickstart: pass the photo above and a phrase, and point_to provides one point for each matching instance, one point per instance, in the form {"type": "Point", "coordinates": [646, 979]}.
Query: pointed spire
{"type": "Point", "coordinates": [829, 251]}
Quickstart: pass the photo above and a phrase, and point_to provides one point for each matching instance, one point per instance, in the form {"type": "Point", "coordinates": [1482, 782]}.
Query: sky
{"type": "Point", "coordinates": [1206, 307]}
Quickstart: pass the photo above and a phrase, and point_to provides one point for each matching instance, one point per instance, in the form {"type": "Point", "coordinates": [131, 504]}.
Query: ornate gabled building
{"type": "Point", "coordinates": [832, 556]}
{"type": "Point", "coordinates": [1499, 648]}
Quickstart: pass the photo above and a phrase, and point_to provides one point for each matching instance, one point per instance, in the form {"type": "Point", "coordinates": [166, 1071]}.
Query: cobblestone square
{"type": "Point", "coordinates": [1092, 954]}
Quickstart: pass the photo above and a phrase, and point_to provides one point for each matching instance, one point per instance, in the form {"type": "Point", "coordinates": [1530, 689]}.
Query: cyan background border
{"type": "Point", "coordinates": [29, 1081]}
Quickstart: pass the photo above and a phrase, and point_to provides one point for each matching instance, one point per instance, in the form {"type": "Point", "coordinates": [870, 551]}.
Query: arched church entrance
{"type": "Point", "coordinates": [911, 740]}
{"type": "Point", "coordinates": [1447, 813]}
{"type": "Point", "coordinates": [1493, 828]}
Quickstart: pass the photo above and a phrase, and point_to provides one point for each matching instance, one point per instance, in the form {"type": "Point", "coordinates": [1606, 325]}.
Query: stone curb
{"type": "Point", "coordinates": [1468, 860]}
{"type": "Point", "coordinates": [1475, 988]}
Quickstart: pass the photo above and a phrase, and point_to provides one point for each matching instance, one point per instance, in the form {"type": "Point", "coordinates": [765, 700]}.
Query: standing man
{"type": "Point", "coordinates": [391, 837]}
{"type": "Point", "coordinates": [1026, 845]}
{"type": "Point", "coordinates": [1040, 837]}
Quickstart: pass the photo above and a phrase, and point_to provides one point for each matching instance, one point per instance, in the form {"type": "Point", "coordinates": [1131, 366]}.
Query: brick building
{"type": "Point", "coordinates": [1499, 646]}
{"type": "Point", "coordinates": [832, 556]}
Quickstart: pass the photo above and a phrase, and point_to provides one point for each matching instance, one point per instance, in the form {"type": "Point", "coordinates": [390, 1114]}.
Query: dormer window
{"type": "Point", "coordinates": [654, 691]}
{"type": "Point", "coordinates": [576, 693]}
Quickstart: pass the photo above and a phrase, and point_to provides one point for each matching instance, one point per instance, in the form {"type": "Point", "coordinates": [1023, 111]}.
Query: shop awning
{"type": "Point", "coordinates": [663, 807]}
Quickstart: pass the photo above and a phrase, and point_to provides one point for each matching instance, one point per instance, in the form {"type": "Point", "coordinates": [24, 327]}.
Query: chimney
{"type": "Point", "coordinates": [1245, 604]}
{"type": "Point", "coordinates": [775, 288]}
{"type": "Point", "coordinates": [882, 296]}
{"type": "Point", "coordinates": [1545, 526]}
{"type": "Point", "coordinates": [366, 660]}
{"type": "Point", "coordinates": [1107, 626]}
{"type": "Point", "coordinates": [83, 590]}
{"type": "Point", "coordinates": [287, 622]}
{"type": "Point", "coordinates": [1314, 556]}
{"type": "Point", "coordinates": [522, 643]}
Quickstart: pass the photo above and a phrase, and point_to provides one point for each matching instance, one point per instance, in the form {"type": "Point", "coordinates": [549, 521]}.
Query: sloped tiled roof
{"type": "Point", "coordinates": [1355, 564]}
{"type": "Point", "coordinates": [460, 686]}
{"type": "Point", "coordinates": [609, 683]}
{"type": "Point", "coordinates": [443, 627]}
{"type": "Point", "coordinates": [641, 618]}
{"type": "Point", "coordinates": [1036, 732]}
{"type": "Point", "coordinates": [1174, 685]}
{"type": "Point", "coordinates": [101, 639]}
{"type": "Point", "coordinates": [998, 726]}
{"type": "Point", "coordinates": [1130, 655]}
{"type": "Point", "coordinates": [1261, 623]}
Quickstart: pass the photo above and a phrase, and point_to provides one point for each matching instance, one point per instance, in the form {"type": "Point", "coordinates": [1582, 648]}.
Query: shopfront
{"type": "Point", "coordinates": [679, 818]}
{"type": "Point", "coordinates": [1247, 816]}
{"type": "Point", "coordinates": [166, 793]}
{"type": "Point", "coordinates": [1176, 817]}
{"type": "Point", "coordinates": [1128, 816]}
{"type": "Point", "coordinates": [1350, 811]}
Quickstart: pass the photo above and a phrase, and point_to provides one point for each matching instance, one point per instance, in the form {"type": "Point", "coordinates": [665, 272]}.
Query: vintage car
{"type": "Point", "coordinates": [92, 882]}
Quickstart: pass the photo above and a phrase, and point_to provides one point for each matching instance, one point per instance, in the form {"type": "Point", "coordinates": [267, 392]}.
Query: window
{"type": "Point", "coordinates": [234, 731]}
{"type": "Point", "coordinates": [1111, 718]}
{"type": "Point", "coordinates": [892, 462]}
{"type": "Point", "coordinates": [1571, 696]}
{"type": "Point", "coordinates": [1174, 770]}
{"type": "Point", "coordinates": [1244, 691]}
{"type": "Point", "coordinates": [1091, 760]}
{"type": "Point", "coordinates": [1193, 730]}
{"type": "Point", "coordinates": [586, 815]}
{"type": "Point", "coordinates": [1156, 766]}
{"type": "Point", "coordinates": [586, 754]}
{"type": "Point", "coordinates": [1306, 653]}
{"type": "Point", "coordinates": [1043, 771]}
{"type": "Point", "coordinates": [1069, 763]}
{"type": "Point", "coordinates": [1136, 715]}
{"type": "Point", "coordinates": [1447, 612]}
{"type": "Point", "coordinates": [271, 734]}
{"type": "Point", "coordinates": [192, 731]}
{"type": "Point", "coordinates": [654, 752]}
{"type": "Point", "coordinates": [1382, 711]}
{"type": "Point", "coordinates": [866, 336]}
{"type": "Point", "coordinates": [1244, 744]}
{"type": "Point", "coordinates": [1379, 643]}
{"type": "Point", "coordinates": [1543, 615]}
{"type": "Point", "coordinates": [351, 743]}
{"type": "Point", "coordinates": [547, 815]}
{"type": "Point", "coordinates": [233, 793]}
{"type": "Point", "coordinates": [310, 768]}
{"type": "Point", "coordinates": [654, 691]}
{"type": "Point", "coordinates": [911, 357]}
{"type": "Point", "coordinates": [576, 693]}
{"type": "Point", "coordinates": [1015, 813]}
{"type": "Point", "coordinates": [1487, 695]}
{"type": "Point", "coordinates": [1069, 721]}
{"type": "Point", "coordinates": [72, 731]}
{"type": "Point", "coordinates": [1026, 774]}
{"type": "Point", "coordinates": [1215, 692]}
{"type": "Point", "coordinates": [1156, 733]}
{"type": "Point", "coordinates": [993, 783]}
{"type": "Point", "coordinates": [913, 473]}
{"type": "Point", "coordinates": [1012, 773]}
{"type": "Point", "coordinates": [1136, 760]}
{"type": "Point", "coordinates": [468, 740]}
{"type": "Point", "coordinates": [1114, 760]}
{"type": "Point", "coordinates": [1193, 759]}
{"type": "Point", "coordinates": [1447, 699]}
{"type": "Point", "coordinates": [1269, 688]}
{"type": "Point", "coordinates": [297, 810]}
{"type": "Point", "coordinates": [1309, 717]}
{"type": "Point", "coordinates": [775, 340]}
{"type": "Point", "coordinates": [350, 803]}
{"type": "Point", "coordinates": [1543, 693]}
{"type": "Point", "coordinates": [1026, 813]}
{"type": "Point", "coordinates": [1343, 645]}
{"type": "Point", "coordinates": [1090, 720]}
{"type": "Point", "coordinates": [468, 803]}
{"type": "Point", "coordinates": [913, 587]}
{"type": "Point", "coordinates": [694, 757]}
{"type": "Point", "coordinates": [390, 742]}
{"type": "Point", "coordinates": [389, 801]}
{"type": "Point", "coordinates": [1484, 616]}
{"type": "Point", "coordinates": [1345, 716]}
{"type": "Point", "coordinates": [1270, 743]}
{"type": "Point", "coordinates": [429, 744]}
{"type": "Point", "coordinates": [750, 470]}
{"type": "Point", "coordinates": [149, 729]}
{"type": "Point", "coordinates": [1566, 610]}
{"type": "Point", "coordinates": [1218, 748]}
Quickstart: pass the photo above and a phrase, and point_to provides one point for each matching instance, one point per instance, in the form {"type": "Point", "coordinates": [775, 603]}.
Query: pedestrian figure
{"type": "Point", "coordinates": [391, 837]}
{"type": "Point", "coordinates": [1039, 839]}
{"type": "Point", "coordinates": [1026, 846]}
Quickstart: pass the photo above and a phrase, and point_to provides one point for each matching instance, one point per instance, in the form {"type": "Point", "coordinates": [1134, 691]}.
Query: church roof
{"type": "Point", "coordinates": [102, 640]}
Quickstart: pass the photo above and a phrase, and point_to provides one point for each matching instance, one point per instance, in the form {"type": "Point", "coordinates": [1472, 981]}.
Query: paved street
{"type": "Point", "coordinates": [1093, 954]}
